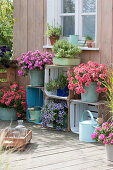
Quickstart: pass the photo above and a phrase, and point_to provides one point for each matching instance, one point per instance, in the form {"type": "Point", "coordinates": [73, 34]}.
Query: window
{"type": "Point", "coordinates": [77, 17]}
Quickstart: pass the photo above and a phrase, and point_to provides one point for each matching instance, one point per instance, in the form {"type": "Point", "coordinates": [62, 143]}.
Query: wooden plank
{"type": "Point", "coordinates": [3, 75]}
{"type": "Point", "coordinates": [39, 24]}
{"type": "Point", "coordinates": [31, 25]}
{"type": "Point", "coordinates": [45, 21]}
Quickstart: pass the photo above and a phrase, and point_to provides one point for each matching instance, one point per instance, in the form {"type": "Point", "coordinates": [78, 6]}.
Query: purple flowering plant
{"type": "Point", "coordinates": [55, 113]}
{"type": "Point", "coordinates": [104, 133]}
{"type": "Point", "coordinates": [33, 60]}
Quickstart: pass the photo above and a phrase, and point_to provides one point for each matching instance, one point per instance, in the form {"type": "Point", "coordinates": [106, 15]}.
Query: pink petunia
{"type": "Point", "coordinates": [94, 135]}
{"type": "Point", "coordinates": [101, 136]}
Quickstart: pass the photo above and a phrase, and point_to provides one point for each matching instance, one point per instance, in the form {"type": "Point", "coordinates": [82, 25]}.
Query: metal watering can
{"type": "Point", "coordinates": [86, 128]}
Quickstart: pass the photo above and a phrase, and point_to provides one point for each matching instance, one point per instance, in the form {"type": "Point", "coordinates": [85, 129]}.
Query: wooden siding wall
{"type": "Point", "coordinates": [30, 27]}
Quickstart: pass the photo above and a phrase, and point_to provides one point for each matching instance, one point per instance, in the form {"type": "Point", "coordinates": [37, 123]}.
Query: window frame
{"type": "Point", "coordinates": [57, 14]}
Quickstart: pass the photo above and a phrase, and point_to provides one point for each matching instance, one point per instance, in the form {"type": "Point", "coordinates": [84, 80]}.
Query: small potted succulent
{"type": "Point", "coordinates": [89, 41]}
{"type": "Point", "coordinates": [66, 53]}
{"type": "Point", "coordinates": [53, 33]}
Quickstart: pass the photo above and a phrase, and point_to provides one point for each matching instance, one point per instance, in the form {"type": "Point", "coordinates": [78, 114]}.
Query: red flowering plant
{"type": "Point", "coordinates": [104, 134]}
{"type": "Point", "coordinates": [15, 97]}
{"type": "Point", "coordinates": [84, 74]}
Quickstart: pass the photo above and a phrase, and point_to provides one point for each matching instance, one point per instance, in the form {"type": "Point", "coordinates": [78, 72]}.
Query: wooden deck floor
{"type": "Point", "coordinates": [52, 150]}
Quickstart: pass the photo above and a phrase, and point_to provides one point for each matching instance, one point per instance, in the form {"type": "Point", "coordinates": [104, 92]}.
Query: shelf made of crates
{"type": "Point", "coordinates": [34, 102]}
{"type": "Point", "coordinates": [77, 107]}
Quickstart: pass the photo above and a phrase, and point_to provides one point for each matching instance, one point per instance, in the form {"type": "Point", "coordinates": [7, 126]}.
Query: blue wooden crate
{"type": "Point", "coordinates": [34, 99]}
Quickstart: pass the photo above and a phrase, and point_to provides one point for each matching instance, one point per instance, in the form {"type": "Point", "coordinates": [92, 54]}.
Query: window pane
{"type": "Point", "coordinates": [89, 6]}
{"type": "Point", "coordinates": [68, 23]}
{"type": "Point", "coordinates": [88, 27]}
{"type": "Point", "coordinates": [68, 6]}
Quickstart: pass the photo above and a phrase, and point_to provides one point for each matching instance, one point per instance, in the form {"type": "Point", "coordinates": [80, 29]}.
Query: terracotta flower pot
{"type": "Point", "coordinates": [89, 43]}
{"type": "Point", "coordinates": [53, 39]}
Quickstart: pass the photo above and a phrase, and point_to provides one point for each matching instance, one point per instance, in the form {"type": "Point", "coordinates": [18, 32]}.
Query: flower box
{"type": "Point", "coordinates": [8, 114]}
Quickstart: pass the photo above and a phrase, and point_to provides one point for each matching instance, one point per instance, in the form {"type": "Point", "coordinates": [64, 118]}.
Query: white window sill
{"type": "Point", "coordinates": [83, 48]}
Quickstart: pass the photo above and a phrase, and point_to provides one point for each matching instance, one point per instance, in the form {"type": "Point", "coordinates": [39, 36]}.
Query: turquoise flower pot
{"type": "Point", "coordinates": [90, 95]}
{"type": "Point", "coordinates": [8, 114]}
{"type": "Point", "coordinates": [37, 77]}
{"type": "Point", "coordinates": [74, 39]}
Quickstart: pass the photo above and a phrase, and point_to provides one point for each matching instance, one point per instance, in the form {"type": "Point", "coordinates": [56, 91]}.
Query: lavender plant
{"type": "Point", "coordinates": [55, 113]}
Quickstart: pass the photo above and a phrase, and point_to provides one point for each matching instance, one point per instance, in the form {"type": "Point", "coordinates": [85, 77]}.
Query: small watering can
{"type": "Point", "coordinates": [86, 128]}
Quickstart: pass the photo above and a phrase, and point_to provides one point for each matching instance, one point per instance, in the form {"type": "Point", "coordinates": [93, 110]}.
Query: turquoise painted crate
{"type": "Point", "coordinates": [34, 100]}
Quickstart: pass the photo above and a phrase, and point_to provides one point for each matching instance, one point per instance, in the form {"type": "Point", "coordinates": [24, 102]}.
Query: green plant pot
{"type": "Point", "coordinates": [35, 115]}
{"type": "Point", "coordinates": [66, 61]}
{"type": "Point", "coordinates": [74, 39]}
{"type": "Point", "coordinates": [90, 95]}
{"type": "Point", "coordinates": [37, 77]}
{"type": "Point", "coordinates": [8, 114]}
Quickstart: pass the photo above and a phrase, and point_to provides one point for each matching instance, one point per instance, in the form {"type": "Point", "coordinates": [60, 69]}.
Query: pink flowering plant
{"type": "Point", "coordinates": [15, 97]}
{"type": "Point", "coordinates": [84, 74]}
{"type": "Point", "coordinates": [104, 134]}
{"type": "Point", "coordinates": [33, 60]}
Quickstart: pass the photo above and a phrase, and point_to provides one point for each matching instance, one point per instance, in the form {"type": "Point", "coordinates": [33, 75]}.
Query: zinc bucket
{"type": "Point", "coordinates": [35, 114]}
{"type": "Point", "coordinates": [8, 114]}
{"type": "Point", "coordinates": [87, 127]}
{"type": "Point", "coordinates": [90, 95]}
{"type": "Point", "coordinates": [37, 77]}
{"type": "Point", "coordinates": [74, 39]}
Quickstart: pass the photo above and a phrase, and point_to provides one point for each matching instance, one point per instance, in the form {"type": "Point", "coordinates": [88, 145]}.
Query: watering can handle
{"type": "Point", "coordinates": [87, 111]}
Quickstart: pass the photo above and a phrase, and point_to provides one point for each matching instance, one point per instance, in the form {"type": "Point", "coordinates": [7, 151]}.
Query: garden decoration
{"type": "Point", "coordinates": [34, 62]}
{"type": "Point", "coordinates": [86, 127]}
{"type": "Point", "coordinates": [56, 113]}
{"type": "Point", "coordinates": [89, 41]}
{"type": "Point", "coordinates": [66, 53]}
{"type": "Point", "coordinates": [60, 84]}
{"type": "Point", "coordinates": [5, 55]}
{"type": "Point", "coordinates": [89, 80]}
{"type": "Point", "coordinates": [53, 33]}
{"type": "Point", "coordinates": [13, 103]}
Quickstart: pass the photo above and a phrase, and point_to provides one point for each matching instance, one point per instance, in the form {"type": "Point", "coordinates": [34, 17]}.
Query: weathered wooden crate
{"type": "Point", "coordinates": [8, 141]}
{"type": "Point", "coordinates": [51, 73]}
{"type": "Point", "coordinates": [77, 108]}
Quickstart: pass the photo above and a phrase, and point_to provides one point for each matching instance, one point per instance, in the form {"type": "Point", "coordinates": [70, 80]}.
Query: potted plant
{"type": "Point", "coordinates": [89, 41]}
{"type": "Point", "coordinates": [34, 62]}
{"type": "Point", "coordinates": [51, 86]}
{"type": "Point", "coordinates": [56, 113]}
{"type": "Point", "coordinates": [66, 53]}
{"type": "Point", "coordinates": [88, 79]}
{"type": "Point", "coordinates": [60, 84]}
{"type": "Point", "coordinates": [53, 33]}
{"type": "Point", "coordinates": [13, 103]}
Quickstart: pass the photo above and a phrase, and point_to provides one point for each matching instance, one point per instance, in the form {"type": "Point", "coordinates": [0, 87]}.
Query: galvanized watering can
{"type": "Point", "coordinates": [87, 127]}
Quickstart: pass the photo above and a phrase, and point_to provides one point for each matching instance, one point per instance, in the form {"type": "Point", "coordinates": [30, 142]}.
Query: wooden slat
{"type": "Point", "coordinates": [3, 75]}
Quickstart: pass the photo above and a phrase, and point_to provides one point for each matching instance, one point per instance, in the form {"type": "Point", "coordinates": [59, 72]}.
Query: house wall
{"type": "Point", "coordinates": [30, 28]}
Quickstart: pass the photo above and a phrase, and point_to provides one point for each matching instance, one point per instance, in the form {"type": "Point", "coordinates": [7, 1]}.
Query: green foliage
{"type": "Point", "coordinates": [6, 23]}
{"type": "Point", "coordinates": [51, 85]}
{"type": "Point", "coordinates": [109, 86]}
{"type": "Point", "coordinates": [65, 49]}
{"type": "Point", "coordinates": [89, 37]}
{"type": "Point", "coordinates": [54, 31]}
{"type": "Point", "coordinates": [60, 83]}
